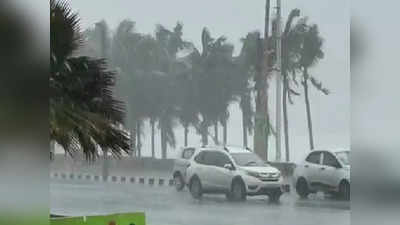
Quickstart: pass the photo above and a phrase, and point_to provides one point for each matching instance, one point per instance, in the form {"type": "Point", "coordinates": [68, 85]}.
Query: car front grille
{"type": "Point", "coordinates": [268, 179]}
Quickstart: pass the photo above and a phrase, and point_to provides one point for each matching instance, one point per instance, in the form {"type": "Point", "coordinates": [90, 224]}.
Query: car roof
{"type": "Point", "coordinates": [236, 149]}
{"type": "Point", "coordinates": [227, 149]}
{"type": "Point", "coordinates": [329, 150]}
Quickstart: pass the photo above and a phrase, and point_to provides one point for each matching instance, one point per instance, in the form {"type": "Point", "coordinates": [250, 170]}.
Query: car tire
{"type": "Point", "coordinates": [275, 195]}
{"type": "Point", "coordinates": [238, 191]}
{"type": "Point", "coordinates": [195, 188]}
{"type": "Point", "coordinates": [302, 188]}
{"type": "Point", "coordinates": [178, 182]}
{"type": "Point", "coordinates": [344, 190]}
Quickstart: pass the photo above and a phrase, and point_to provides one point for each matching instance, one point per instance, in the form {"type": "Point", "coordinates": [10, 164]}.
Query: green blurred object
{"type": "Point", "coordinates": [119, 219]}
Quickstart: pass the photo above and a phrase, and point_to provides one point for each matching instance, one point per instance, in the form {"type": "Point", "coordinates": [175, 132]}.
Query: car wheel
{"type": "Point", "coordinates": [302, 188]}
{"type": "Point", "coordinates": [344, 190]}
{"type": "Point", "coordinates": [275, 195]}
{"type": "Point", "coordinates": [179, 183]}
{"type": "Point", "coordinates": [238, 192]}
{"type": "Point", "coordinates": [195, 188]}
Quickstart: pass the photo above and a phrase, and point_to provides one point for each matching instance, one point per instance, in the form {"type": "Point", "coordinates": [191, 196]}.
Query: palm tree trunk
{"type": "Point", "coordinates": [163, 144]}
{"type": "Point", "coordinates": [216, 133]}
{"type": "Point", "coordinates": [186, 132]}
{"type": "Point", "coordinates": [106, 165]}
{"type": "Point", "coordinates": [139, 144]}
{"type": "Point", "coordinates": [204, 133]}
{"type": "Point", "coordinates": [244, 127]}
{"type": "Point", "coordinates": [133, 139]}
{"type": "Point", "coordinates": [285, 115]}
{"type": "Point", "coordinates": [52, 149]}
{"type": "Point", "coordinates": [225, 132]}
{"type": "Point", "coordinates": [152, 123]}
{"type": "Point", "coordinates": [307, 101]}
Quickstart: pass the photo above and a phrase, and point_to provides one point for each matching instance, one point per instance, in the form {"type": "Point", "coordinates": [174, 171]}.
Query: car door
{"type": "Point", "coordinates": [199, 168]}
{"type": "Point", "coordinates": [222, 177]}
{"type": "Point", "coordinates": [330, 173]}
{"type": "Point", "coordinates": [312, 167]}
{"type": "Point", "coordinates": [208, 171]}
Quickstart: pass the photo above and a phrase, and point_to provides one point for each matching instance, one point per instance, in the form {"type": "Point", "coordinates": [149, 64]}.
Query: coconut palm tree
{"type": "Point", "coordinates": [187, 107]}
{"type": "Point", "coordinates": [248, 61]}
{"type": "Point", "coordinates": [137, 57]}
{"type": "Point", "coordinates": [84, 114]}
{"type": "Point", "coordinates": [311, 53]}
{"type": "Point", "coordinates": [289, 55]}
{"type": "Point", "coordinates": [212, 70]}
{"type": "Point", "coordinates": [170, 43]}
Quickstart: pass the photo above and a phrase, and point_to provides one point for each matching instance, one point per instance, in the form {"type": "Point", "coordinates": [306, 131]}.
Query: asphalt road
{"type": "Point", "coordinates": [165, 206]}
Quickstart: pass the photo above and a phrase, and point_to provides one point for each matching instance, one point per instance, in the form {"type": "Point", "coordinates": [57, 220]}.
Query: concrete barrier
{"type": "Point", "coordinates": [151, 181]}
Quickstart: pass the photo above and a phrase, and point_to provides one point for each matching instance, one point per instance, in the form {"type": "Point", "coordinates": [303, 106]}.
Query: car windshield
{"type": "Point", "coordinates": [344, 157]}
{"type": "Point", "coordinates": [247, 159]}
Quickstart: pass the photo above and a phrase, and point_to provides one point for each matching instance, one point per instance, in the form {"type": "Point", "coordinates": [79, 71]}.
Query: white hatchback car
{"type": "Point", "coordinates": [236, 172]}
{"type": "Point", "coordinates": [324, 170]}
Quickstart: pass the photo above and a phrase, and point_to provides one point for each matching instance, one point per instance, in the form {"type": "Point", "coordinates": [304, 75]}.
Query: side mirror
{"type": "Point", "coordinates": [228, 166]}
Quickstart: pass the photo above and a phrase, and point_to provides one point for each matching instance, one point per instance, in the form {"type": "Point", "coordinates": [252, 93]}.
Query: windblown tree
{"type": "Point", "coordinates": [171, 43]}
{"type": "Point", "coordinates": [212, 70]}
{"type": "Point", "coordinates": [225, 78]}
{"type": "Point", "coordinates": [187, 106]}
{"type": "Point", "coordinates": [291, 43]}
{"type": "Point", "coordinates": [129, 51]}
{"type": "Point", "coordinates": [311, 53]}
{"type": "Point", "coordinates": [84, 114]}
{"type": "Point", "coordinates": [248, 62]}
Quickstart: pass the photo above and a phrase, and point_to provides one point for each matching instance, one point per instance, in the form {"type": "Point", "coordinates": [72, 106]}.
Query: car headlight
{"type": "Point", "coordinates": [253, 174]}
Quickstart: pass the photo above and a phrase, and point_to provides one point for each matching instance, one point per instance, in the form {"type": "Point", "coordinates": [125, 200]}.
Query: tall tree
{"type": "Point", "coordinates": [248, 61]}
{"type": "Point", "coordinates": [171, 42]}
{"type": "Point", "coordinates": [124, 57]}
{"type": "Point", "coordinates": [212, 70]}
{"type": "Point", "coordinates": [288, 54]}
{"type": "Point", "coordinates": [84, 115]}
{"type": "Point", "coordinates": [311, 53]}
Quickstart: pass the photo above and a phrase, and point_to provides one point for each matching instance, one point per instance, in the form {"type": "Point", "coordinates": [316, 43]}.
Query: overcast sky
{"type": "Point", "coordinates": [234, 19]}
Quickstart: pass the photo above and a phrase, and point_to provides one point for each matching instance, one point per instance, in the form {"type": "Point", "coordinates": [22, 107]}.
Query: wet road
{"type": "Point", "coordinates": [165, 206]}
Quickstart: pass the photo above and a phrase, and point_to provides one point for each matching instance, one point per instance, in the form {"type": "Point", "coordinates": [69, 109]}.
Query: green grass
{"type": "Point", "coordinates": [119, 219]}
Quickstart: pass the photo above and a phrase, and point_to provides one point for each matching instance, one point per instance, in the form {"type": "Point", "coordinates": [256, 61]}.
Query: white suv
{"type": "Point", "coordinates": [236, 172]}
{"type": "Point", "coordinates": [327, 171]}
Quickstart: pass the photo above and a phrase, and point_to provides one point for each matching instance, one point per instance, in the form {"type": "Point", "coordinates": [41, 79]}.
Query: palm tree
{"type": "Point", "coordinates": [198, 61]}
{"type": "Point", "coordinates": [212, 70]}
{"type": "Point", "coordinates": [248, 61]}
{"type": "Point", "coordinates": [289, 55]}
{"type": "Point", "coordinates": [171, 43]}
{"type": "Point", "coordinates": [311, 53]}
{"type": "Point", "coordinates": [84, 115]}
{"type": "Point", "coordinates": [187, 106]}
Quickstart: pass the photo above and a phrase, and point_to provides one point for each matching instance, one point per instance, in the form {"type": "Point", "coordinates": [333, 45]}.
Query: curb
{"type": "Point", "coordinates": [151, 181]}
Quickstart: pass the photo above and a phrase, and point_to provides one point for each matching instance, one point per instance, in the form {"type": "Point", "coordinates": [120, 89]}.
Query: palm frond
{"type": "Point", "coordinates": [65, 35]}
{"type": "Point", "coordinates": [318, 85]}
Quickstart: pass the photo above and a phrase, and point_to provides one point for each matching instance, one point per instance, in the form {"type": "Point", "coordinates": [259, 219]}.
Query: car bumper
{"type": "Point", "coordinates": [257, 187]}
